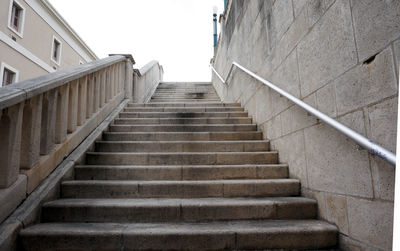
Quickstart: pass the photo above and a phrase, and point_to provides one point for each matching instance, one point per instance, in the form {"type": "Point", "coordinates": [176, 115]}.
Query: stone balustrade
{"type": "Point", "coordinates": [146, 80]}
{"type": "Point", "coordinates": [43, 119]}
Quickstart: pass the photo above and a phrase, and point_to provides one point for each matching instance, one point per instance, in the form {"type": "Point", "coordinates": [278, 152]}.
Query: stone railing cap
{"type": "Point", "coordinates": [128, 56]}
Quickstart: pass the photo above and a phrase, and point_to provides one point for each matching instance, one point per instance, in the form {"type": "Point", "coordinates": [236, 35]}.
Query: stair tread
{"type": "Point", "coordinates": [245, 227]}
{"type": "Point", "coordinates": [182, 182]}
{"type": "Point", "coordinates": [162, 202]}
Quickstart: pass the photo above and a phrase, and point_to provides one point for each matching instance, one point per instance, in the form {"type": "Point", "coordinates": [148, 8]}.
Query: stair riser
{"type": "Point", "coordinates": [180, 173]}
{"type": "Point", "coordinates": [181, 115]}
{"type": "Point", "coordinates": [184, 110]}
{"type": "Point", "coordinates": [175, 121]}
{"type": "Point", "coordinates": [175, 212]}
{"type": "Point", "coordinates": [182, 128]}
{"type": "Point", "coordinates": [183, 100]}
{"type": "Point", "coordinates": [181, 159]}
{"type": "Point", "coordinates": [178, 190]}
{"type": "Point", "coordinates": [187, 104]}
{"type": "Point", "coordinates": [181, 146]}
{"type": "Point", "coordinates": [182, 136]}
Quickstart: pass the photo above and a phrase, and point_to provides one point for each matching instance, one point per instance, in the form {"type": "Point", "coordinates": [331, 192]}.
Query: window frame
{"type": "Point", "coordinates": [21, 21]}
{"type": "Point", "coordinates": [57, 60]}
{"type": "Point", "coordinates": [4, 66]}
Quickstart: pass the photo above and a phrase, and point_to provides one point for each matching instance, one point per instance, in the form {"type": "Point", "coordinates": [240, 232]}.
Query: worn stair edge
{"type": "Point", "coordinates": [179, 136]}
{"type": "Point", "coordinates": [179, 189]}
{"type": "Point", "coordinates": [244, 235]}
{"type": "Point", "coordinates": [182, 146]}
{"type": "Point", "coordinates": [188, 172]}
{"type": "Point", "coordinates": [182, 158]}
{"type": "Point", "coordinates": [177, 210]}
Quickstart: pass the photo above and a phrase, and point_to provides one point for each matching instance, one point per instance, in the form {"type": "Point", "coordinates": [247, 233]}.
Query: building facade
{"type": "Point", "coordinates": [35, 40]}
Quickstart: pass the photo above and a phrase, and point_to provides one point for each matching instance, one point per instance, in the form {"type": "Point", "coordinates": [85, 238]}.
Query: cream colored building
{"type": "Point", "coordinates": [35, 40]}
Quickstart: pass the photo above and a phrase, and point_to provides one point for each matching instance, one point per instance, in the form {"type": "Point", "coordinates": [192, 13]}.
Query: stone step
{"type": "Point", "coordinates": [235, 235]}
{"type": "Point", "coordinates": [167, 92]}
{"type": "Point", "coordinates": [183, 172]}
{"type": "Point", "coordinates": [126, 114]}
{"type": "Point", "coordinates": [185, 104]}
{"type": "Point", "coordinates": [182, 146]}
{"type": "Point", "coordinates": [179, 188]}
{"type": "Point", "coordinates": [182, 158]}
{"type": "Point", "coordinates": [185, 109]}
{"type": "Point", "coordinates": [183, 128]}
{"type": "Point", "coordinates": [179, 121]}
{"type": "Point", "coordinates": [182, 100]}
{"type": "Point", "coordinates": [176, 136]}
{"type": "Point", "coordinates": [178, 210]}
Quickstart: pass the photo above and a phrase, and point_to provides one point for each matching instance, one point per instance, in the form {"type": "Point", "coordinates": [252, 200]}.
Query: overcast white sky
{"type": "Point", "coordinates": [177, 33]}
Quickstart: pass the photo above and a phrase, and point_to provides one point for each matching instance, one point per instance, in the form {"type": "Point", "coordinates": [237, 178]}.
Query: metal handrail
{"type": "Point", "coordinates": [361, 140]}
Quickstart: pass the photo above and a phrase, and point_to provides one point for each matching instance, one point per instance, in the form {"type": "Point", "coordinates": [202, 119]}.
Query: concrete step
{"type": "Point", "coordinates": [173, 100]}
{"type": "Point", "coordinates": [185, 109]}
{"type": "Point", "coordinates": [182, 172]}
{"type": "Point", "coordinates": [179, 189]}
{"type": "Point", "coordinates": [184, 128]}
{"type": "Point", "coordinates": [179, 121]}
{"type": "Point", "coordinates": [176, 136]}
{"type": "Point", "coordinates": [182, 146]}
{"type": "Point", "coordinates": [126, 114]}
{"type": "Point", "coordinates": [185, 94]}
{"type": "Point", "coordinates": [178, 210]}
{"type": "Point", "coordinates": [182, 158]}
{"type": "Point", "coordinates": [185, 104]}
{"type": "Point", "coordinates": [235, 235]}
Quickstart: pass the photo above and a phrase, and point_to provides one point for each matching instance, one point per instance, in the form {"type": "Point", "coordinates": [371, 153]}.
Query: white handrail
{"type": "Point", "coordinates": [360, 139]}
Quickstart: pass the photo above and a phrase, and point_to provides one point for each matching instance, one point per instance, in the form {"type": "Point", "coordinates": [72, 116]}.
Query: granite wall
{"type": "Point", "coordinates": [341, 57]}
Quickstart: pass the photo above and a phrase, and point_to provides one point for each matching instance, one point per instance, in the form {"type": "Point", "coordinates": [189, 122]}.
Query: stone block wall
{"type": "Point", "coordinates": [341, 57]}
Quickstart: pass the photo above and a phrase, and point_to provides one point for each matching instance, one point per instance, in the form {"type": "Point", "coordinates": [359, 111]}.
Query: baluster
{"type": "Point", "coordinates": [49, 109]}
{"type": "Point", "coordinates": [62, 114]}
{"type": "Point", "coordinates": [73, 106]}
{"type": "Point", "coordinates": [96, 92]}
{"type": "Point", "coordinates": [108, 85]}
{"type": "Point", "coordinates": [90, 96]}
{"type": "Point", "coordinates": [103, 88]}
{"type": "Point", "coordinates": [82, 97]}
{"type": "Point", "coordinates": [31, 128]}
{"type": "Point", "coordinates": [10, 141]}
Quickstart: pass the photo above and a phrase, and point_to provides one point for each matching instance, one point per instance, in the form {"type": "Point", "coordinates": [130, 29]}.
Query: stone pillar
{"type": "Point", "coordinates": [114, 80]}
{"type": "Point", "coordinates": [62, 114]}
{"type": "Point", "coordinates": [108, 84]}
{"type": "Point", "coordinates": [31, 128]}
{"type": "Point", "coordinates": [103, 88]}
{"type": "Point", "coordinates": [96, 93]}
{"type": "Point", "coordinates": [90, 96]}
{"type": "Point", "coordinates": [49, 109]}
{"type": "Point", "coordinates": [128, 83]}
{"type": "Point", "coordinates": [73, 106]}
{"type": "Point", "coordinates": [82, 98]}
{"type": "Point", "coordinates": [10, 142]}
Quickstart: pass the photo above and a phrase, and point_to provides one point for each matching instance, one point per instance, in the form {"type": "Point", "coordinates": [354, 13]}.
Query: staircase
{"type": "Point", "coordinates": [182, 172]}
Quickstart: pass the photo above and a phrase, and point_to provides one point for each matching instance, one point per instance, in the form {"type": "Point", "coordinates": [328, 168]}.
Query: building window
{"type": "Point", "coordinates": [16, 17]}
{"type": "Point", "coordinates": [56, 51]}
{"type": "Point", "coordinates": [9, 75]}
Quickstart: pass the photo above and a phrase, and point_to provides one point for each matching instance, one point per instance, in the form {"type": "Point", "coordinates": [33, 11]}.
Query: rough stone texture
{"type": "Point", "coordinates": [376, 24]}
{"type": "Point", "coordinates": [328, 155]}
{"type": "Point", "coordinates": [323, 49]}
{"type": "Point", "coordinates": [12, 196]}
{"type": "Point", "coordinates": [336, 211]}
{"type": "Point", "coordinates": [293, 153]}
{"type": "Point", "coordinates": [319, 60]}
{"type": "Point", "coordinates": [366, 83]}
{"type": "Point", "coordinates": [371, 222]}
{"type": "Point", "coordinates": [383, 123]}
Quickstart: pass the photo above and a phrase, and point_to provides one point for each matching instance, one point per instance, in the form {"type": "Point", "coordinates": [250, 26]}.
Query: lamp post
{"type": "Point", "coordinates": [215, 10]}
